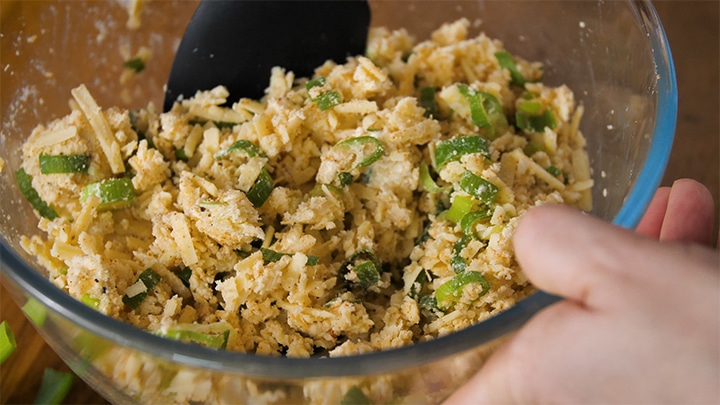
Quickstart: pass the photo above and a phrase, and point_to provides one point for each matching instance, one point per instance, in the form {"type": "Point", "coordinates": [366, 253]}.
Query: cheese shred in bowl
{"type": "Point", "coordinates": [366, 208]}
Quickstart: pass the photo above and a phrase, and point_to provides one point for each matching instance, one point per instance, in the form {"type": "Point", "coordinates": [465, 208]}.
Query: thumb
{"type": "Point", "coordinates": [579, 257]}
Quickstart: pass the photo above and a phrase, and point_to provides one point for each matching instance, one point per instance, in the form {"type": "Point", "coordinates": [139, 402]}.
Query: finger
{"type": "Point", "coordinates": [574, 255]}
{"type": "Point", "coordinates": [651, 223]}
{"type": "Point", "coordinates": [690, 213]}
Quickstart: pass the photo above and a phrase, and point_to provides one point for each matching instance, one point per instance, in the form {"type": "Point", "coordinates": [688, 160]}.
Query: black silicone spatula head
{"type": "Point", "coordinates": [236, 43]}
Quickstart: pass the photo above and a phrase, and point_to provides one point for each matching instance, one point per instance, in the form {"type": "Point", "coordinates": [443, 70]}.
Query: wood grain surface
{"type": "Point", "coordinates": [693, 31]}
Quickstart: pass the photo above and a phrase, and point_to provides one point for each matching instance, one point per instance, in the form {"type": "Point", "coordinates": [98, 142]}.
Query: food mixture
{"type": "Point", "coordinates": [366, 208]}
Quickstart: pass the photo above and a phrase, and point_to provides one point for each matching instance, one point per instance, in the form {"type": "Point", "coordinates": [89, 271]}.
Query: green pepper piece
{"type": "Point", "coordinates": [485, 111]}
{"type": "Point", "coordinates": [358, 144]}
{"type": "Point", "coordinates": [218, 341]}
{"type": "Point", "coordinates": [150, 279]}
{"type": "Point", "coordinates": [461, 205]}
{"type": "Point", "coordinates": [53, 164]}
{"type": "Point", "coordinates": [453, 149]}
{"type": "Point", "coordinates": [506, 61]}
{"type": "Point", "coordinates": [427, 101]}
{"type": "Point", "coordinates": [427, 182]}
{"type": "Point", "coordinates": [54, 387]}
{"type": "Point", "coordinates": [244, 145]}
{"type": "Point", "coordinates": [325, 100]}
{"type": "Point", "coordinates": [113, 193]}
{"type": "Point", "coordinates": [478, 187]}
{"type": "Point", "coordinates": [7, 341]}
{"type": "Point", "coordinates": [448, 294]}
{"type": "Point", "coordinates": [26, 188]}
{"type": "Point", "coordinates": [261, 190]}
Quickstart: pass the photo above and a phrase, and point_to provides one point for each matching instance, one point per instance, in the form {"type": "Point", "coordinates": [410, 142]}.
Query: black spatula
{"type": "Point", "coordinates": [235, 43]}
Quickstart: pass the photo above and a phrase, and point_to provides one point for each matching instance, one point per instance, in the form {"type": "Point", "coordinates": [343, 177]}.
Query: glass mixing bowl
{"type": "Point", "coordinates": [612, 54]}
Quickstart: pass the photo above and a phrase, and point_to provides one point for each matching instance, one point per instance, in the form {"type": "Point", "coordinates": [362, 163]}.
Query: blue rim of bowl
{"type": "Point", "coordinates": [250, 365]}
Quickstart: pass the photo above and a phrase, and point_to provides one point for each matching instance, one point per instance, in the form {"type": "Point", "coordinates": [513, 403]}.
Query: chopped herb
{"type": "Point", "coordinates": [137, 65]}
{"type": "Point", "coordinates": [345, 179]}
{"type": "Point", "coordinates": [261, 190]}
{"type": "Point", "coordinates": [272, 256]}
{"type": "Point", "coordinates": [26, 188]}
{"type": "Point", "coordinates": [428, 305]}
{"type": "Point", "coordinates": [54, 387]}
{"type": "Point", "coordinates": [7, 341]}
{"type": "Point", "coordinates": [52, 164]}
{"type": "Point", "coordinates": [427, 101]}
{"type": "Point", "coordinates": [147, 280]}
{"type": "Point", "coordinates": [554, 171]}
{"type": "Point", "coordinates": [184, 274]}
{"type": "Point", "coordinates": [366, 266]}
{"type": "Point", "coordinates": [478, 187]}
{"type": "Point", "coordinates": [113, 193]}
{"type": "Point", "coordinates": [506, 61]}
{"type": "Point", "coordinates": [180, 154]}
{"type": "Point", "coordinates": [453, 149]}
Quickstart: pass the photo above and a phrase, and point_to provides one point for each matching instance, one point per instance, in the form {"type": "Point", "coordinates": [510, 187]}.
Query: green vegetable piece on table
{"type": "Point", "coordinates": [136, 293]}
{"type": "Point", "coordinates": [26, 188]}
{"type": "Point", "coordinates": [453, 149]}
{"type": "Point", "coordinates": [54, 387]}
{"type": "Point", "coordinates": [55, 164]}
{"type": "Point", "coordinates": [113, 193]}
{"type": "Point", "coordinates": [485, 111]}
{"type": "Point", "coordinates": [506, 61]}
{"type": "Point", "coordinates": [448, 294]}
{"type": "Point", "coordinates": [7, 341]}
{"type": "Point", "coordinates": [261, 190]}
{"type": "Point", "coordinates": [35, 311]}
{"type": "Point", "coordinates": [478, 187]}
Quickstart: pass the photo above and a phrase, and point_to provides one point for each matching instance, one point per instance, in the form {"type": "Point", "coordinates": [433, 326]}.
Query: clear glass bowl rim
{"type": "Point", "coordinates": [123, 334]}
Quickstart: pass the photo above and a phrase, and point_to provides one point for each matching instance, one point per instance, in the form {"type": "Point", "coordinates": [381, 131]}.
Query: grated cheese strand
{"type": "Point", "coordinates": [99, 124]}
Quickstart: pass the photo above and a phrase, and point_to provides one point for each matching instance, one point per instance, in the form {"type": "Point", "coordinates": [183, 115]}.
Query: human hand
{"type": "Point", "coordinates": [640, 322]}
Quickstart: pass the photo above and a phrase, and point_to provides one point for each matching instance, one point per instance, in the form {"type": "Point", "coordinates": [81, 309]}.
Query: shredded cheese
{"type": "Point", "coordinates": [100, 125]}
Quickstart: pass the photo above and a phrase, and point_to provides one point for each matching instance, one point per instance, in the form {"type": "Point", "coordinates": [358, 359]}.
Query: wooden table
{"type": "Point", "coordinates": [692, 28]}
